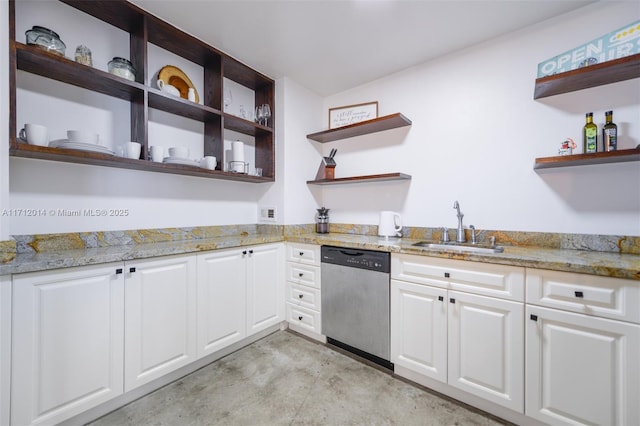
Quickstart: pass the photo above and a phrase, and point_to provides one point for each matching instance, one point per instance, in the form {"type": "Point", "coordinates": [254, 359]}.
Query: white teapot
{"type": "Point", "coordinates": [166, 87]}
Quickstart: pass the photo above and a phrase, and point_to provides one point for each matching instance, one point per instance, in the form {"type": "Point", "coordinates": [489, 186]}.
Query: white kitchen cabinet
{"type": "Point", "coordinates": [222, 295]}
{"type": "Point", "coordinates": [303, 290]}
{"type": "Point", "coordinates": [160, 317]}
{"type": "Point", "coordinates": [67, 352]}
{"type": "Point", "coordinates": [582, 368]}
{"type": "Point", "coordinates": [5, 348]}
{"type": "Point", "coordinates": [265, 286]}
{"type": "Point", "coordinates": [419, 328]}
{"type": "Point", "coordinates": [469, 337]}
{"type": "Point", "coordinates": [240, 292]}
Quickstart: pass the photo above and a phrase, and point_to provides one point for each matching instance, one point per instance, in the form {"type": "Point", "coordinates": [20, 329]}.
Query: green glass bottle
{"type": "Point", "coordinates": [590, 135]}
{"type": "Point", "coordinates": [609, 133]}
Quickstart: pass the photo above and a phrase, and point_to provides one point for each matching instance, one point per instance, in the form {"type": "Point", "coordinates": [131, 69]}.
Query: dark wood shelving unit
{"type": "Point", "coordinates": [379, 124]}
{"type": "Point", "coordinates": [144, 29]}
{"type": "Point", "coordinates": [356, 179]}
{"type": "Point", "coordinates": [620, 156]}
{"type": "Point", "coordinates": [594, 75]}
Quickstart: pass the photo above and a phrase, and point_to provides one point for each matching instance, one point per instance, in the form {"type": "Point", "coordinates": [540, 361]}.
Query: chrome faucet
{"type": "Point", "coordinates": [460, 238]}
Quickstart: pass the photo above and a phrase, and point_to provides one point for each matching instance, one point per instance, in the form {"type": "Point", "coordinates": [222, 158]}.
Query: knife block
{"type": "Point", "coordinates": [326, 169]}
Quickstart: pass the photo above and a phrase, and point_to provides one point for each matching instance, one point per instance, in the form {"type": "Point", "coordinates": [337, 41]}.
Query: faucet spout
{"type": "Point", "coordinates": [460, 238]}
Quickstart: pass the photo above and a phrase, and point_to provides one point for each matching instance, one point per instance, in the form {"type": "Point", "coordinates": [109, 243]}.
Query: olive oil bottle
{"type": "Point", "coordinates": [590, 135]}
{"type": "Point", "coordinates": [609, 133]}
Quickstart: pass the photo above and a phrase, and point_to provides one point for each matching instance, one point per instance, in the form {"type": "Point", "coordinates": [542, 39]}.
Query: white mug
{"type": "Point", "coordinates": [132, 150]}
{"type": "Point", "coordinates": [390, 224]}
{"type": "Point", "coordinates": [34, 134]}
{"type": "Point", "coordinates": [209, 163]}
{"type": "Point", "coordinates": [157, 153]}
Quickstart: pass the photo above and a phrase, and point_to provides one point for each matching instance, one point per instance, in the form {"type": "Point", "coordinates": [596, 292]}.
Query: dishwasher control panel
{"type": "Point", "coordinates": [356, 258]}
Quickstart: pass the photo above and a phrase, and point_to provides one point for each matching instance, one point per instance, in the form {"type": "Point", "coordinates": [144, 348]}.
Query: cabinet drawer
{"type": "Point", "coordinates": [606, 297]}
{"type": "Point", "coordinates": [304, 318]}
{"type": "Point", "coordinates": [303, 274]}
{"type": "Point", "coordinates": [300, 295]}
{"type": "Point", "coordinates": [506, 282]}
{"type": "Point", "coordinates": [303, 253]}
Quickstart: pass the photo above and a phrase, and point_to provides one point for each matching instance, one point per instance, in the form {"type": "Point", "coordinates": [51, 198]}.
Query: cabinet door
{"type": "Point", "coordinates": [486, 348]}
{"type": "Point", "coordinates": [67, 353]}
{"type": "Point", "coordinates": [222, 299]}
{"type": "Point", "coordinates": [265, 286]}
{"type": "Point", "coordinates": [160, 312]}
{"type": "Point", "coordinates": [419, 328]}
{"type": "Point", "coordinates": [5, 347]}
{"type": "Point", "coordinates": [581, 369]}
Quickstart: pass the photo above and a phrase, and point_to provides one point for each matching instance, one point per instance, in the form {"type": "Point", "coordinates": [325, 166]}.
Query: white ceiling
{"type": "Point", "coordinates": [332, 45]}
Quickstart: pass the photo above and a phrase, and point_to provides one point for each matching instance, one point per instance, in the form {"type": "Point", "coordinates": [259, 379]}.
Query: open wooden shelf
{"type": "Point", "coordinates": [620, 156]}
{"type": "Point", "coordinates": [594, 75]}
{"type": "Point", "coordinates": [379, 124]}
{"type": "Point", "coordinates": [357, 179]}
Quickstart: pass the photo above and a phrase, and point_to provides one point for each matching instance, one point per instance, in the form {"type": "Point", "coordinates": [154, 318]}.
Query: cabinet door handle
{"type": "Point", "coordinates": [534, 317]}
{"type": "Point", "coordinates": [452, 300]}
{"type": "Point", "coordinates": [446, 275]}
{"type": "Point", "coordinates": [244, 252]}
{"type": "Point", "coordinates": [301, 253]}
{"type": "Point", "coordinates": [300, 274]}
{"type": "Point", "coordinates": [579, 294]}
{"type": "Point", "coordinates": [118, 271]}
{"type": "Point", "coordinates": [300, 296]}
{"type": "Point", "coordinates": [132, 270]}
{"type": "Point", "coordinates": [441, 298]}
{"type": "Point", "coordinates": [250, 251]}
{"type": "Point", "coordinates": [300, 318]}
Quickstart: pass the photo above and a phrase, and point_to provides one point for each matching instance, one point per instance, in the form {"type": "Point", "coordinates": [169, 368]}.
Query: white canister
{"type": "Point", "coordinates": [237, 155]}
{"type": "Point", "coordinates": [390, 224]}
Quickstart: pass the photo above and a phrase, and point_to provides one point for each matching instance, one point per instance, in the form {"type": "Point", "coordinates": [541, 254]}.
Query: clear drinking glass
{"type": "Point", "coordinates": [266, 113]}
{"type": "Point", "coordinates": [259, 114]}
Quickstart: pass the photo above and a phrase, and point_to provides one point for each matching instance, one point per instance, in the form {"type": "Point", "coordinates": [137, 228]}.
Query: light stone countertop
{"type": "Point", "coordinates": [581, 261]}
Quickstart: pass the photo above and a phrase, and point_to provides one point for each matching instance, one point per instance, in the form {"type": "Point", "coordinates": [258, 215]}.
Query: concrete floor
{"type": "Point", "coordinates": [286, 379]}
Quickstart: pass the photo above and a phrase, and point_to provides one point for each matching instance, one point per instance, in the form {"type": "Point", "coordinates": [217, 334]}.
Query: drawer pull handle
{"type": "Point", "coordinates": [244, 252]}
{"type": "Point", "coordinates": [132, 270]}
{"type": "Point", "coordinates": [300, 274]}
{"type": "Point", "coordinates": [300, 296]}
{"type": "Point", "coordinates": [441, 298]}
{"type": "Point", "coordinates": [579, 294]}
{"type": "Point", "coordinates": [452, 300]}
{"type": "Point", "coordinates": [534, 317]}
{"type": "Point", "coordinates": [300, 318]}
{"type": "Point", "coordinates": [118, 271]}
{"type": "Point", "coordinates": [446, 275]}
{"type": "Point", "coordinates": [250, 251]}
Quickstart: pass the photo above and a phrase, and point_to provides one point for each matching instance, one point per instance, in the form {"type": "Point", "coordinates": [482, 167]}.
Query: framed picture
{"type": "Point", "coordinates": [344, 115]}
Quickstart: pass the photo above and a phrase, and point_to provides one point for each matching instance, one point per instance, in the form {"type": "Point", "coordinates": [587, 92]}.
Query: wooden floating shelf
{"type": "Point", "coordinates": [379, 124]}
{"type": "Point", "coordinates": [357, 179]}
{"type": "Point", "coordinates": [591, 76]}
{"type": "Point", "coordinates": [621, 156]}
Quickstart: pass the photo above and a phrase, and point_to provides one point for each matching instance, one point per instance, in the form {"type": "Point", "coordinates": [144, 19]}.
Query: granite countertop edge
{"type": "Point", "coordinates": [580, 261]}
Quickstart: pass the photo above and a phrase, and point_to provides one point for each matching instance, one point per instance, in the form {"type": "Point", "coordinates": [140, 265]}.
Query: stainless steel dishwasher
{"type": "Point", "coordinates": [355, 301]}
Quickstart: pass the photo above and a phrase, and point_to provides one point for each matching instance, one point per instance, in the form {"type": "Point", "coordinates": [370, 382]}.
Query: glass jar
{"type": "Point", "coordinates": [83, 55]}
{"type": "Point", "coordinates": [45, 39]}
{"type": "Point", "coordinates": [122, 68]}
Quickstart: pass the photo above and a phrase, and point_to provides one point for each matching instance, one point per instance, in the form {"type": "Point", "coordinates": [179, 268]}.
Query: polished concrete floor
{"type": "Point", "coordinates": [286, 379]}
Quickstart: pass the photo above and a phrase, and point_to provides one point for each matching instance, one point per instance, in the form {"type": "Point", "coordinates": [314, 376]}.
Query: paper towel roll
{"type": "Point", "coordinates": [237, 153]}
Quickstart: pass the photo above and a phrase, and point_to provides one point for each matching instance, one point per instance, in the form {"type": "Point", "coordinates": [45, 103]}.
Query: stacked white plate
{"type": "Point", "coordinates": [82, 146]}
{"type": "Point", "coordinates": [179, 160]}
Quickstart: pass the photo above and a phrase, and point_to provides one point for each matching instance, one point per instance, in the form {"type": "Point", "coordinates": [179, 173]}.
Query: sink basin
{"type": "Point", "coordinates": [471, 248]}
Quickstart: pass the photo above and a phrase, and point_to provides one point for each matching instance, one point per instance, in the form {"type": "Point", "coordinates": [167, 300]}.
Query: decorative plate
{"type": "Point", "coordinates": [178, 79]}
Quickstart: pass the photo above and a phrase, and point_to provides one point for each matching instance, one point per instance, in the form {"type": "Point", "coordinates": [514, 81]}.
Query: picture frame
{"type": "Point", "coordinates": [350, 114]}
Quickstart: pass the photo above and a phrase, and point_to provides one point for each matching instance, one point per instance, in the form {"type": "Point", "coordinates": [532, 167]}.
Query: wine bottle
{"type": "Point", "coordinates": [609, 133]}
{"type": "Point", "coordinates": [590, 135]}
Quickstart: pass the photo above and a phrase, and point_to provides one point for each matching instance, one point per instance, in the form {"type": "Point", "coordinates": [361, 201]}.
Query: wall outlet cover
{"type": "Point", "coordinates": [267, 214]}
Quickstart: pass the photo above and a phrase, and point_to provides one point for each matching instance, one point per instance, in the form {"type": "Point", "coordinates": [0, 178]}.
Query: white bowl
{"type": "Point", "coordinates": [179, 152]}
{"type": "Point", "coordinates": [132, 150]}
{"type": "Point", "coordinates": [82, 136]}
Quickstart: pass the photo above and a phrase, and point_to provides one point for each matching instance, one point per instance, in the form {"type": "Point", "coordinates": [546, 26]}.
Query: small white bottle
{"type": "Point", "coordinates": [192, 94]}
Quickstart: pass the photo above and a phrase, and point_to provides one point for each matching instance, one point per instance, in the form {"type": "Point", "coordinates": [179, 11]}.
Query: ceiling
{"type": "Point", "coordinates": [332, 45]}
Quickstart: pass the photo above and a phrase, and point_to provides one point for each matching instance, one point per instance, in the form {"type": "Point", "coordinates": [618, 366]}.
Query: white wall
{"type": "Point", "coordinates": [477, 130]}
{"type": "Point", "coordinates": [4, 122]}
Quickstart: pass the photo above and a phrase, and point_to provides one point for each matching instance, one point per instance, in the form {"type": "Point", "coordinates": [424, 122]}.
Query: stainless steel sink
{"type": "Point", "coordinates": [472, 248]}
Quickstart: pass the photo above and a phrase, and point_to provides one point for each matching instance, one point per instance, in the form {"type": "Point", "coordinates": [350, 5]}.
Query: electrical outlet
{"type": "Point", "coordinates": [268, 214]}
